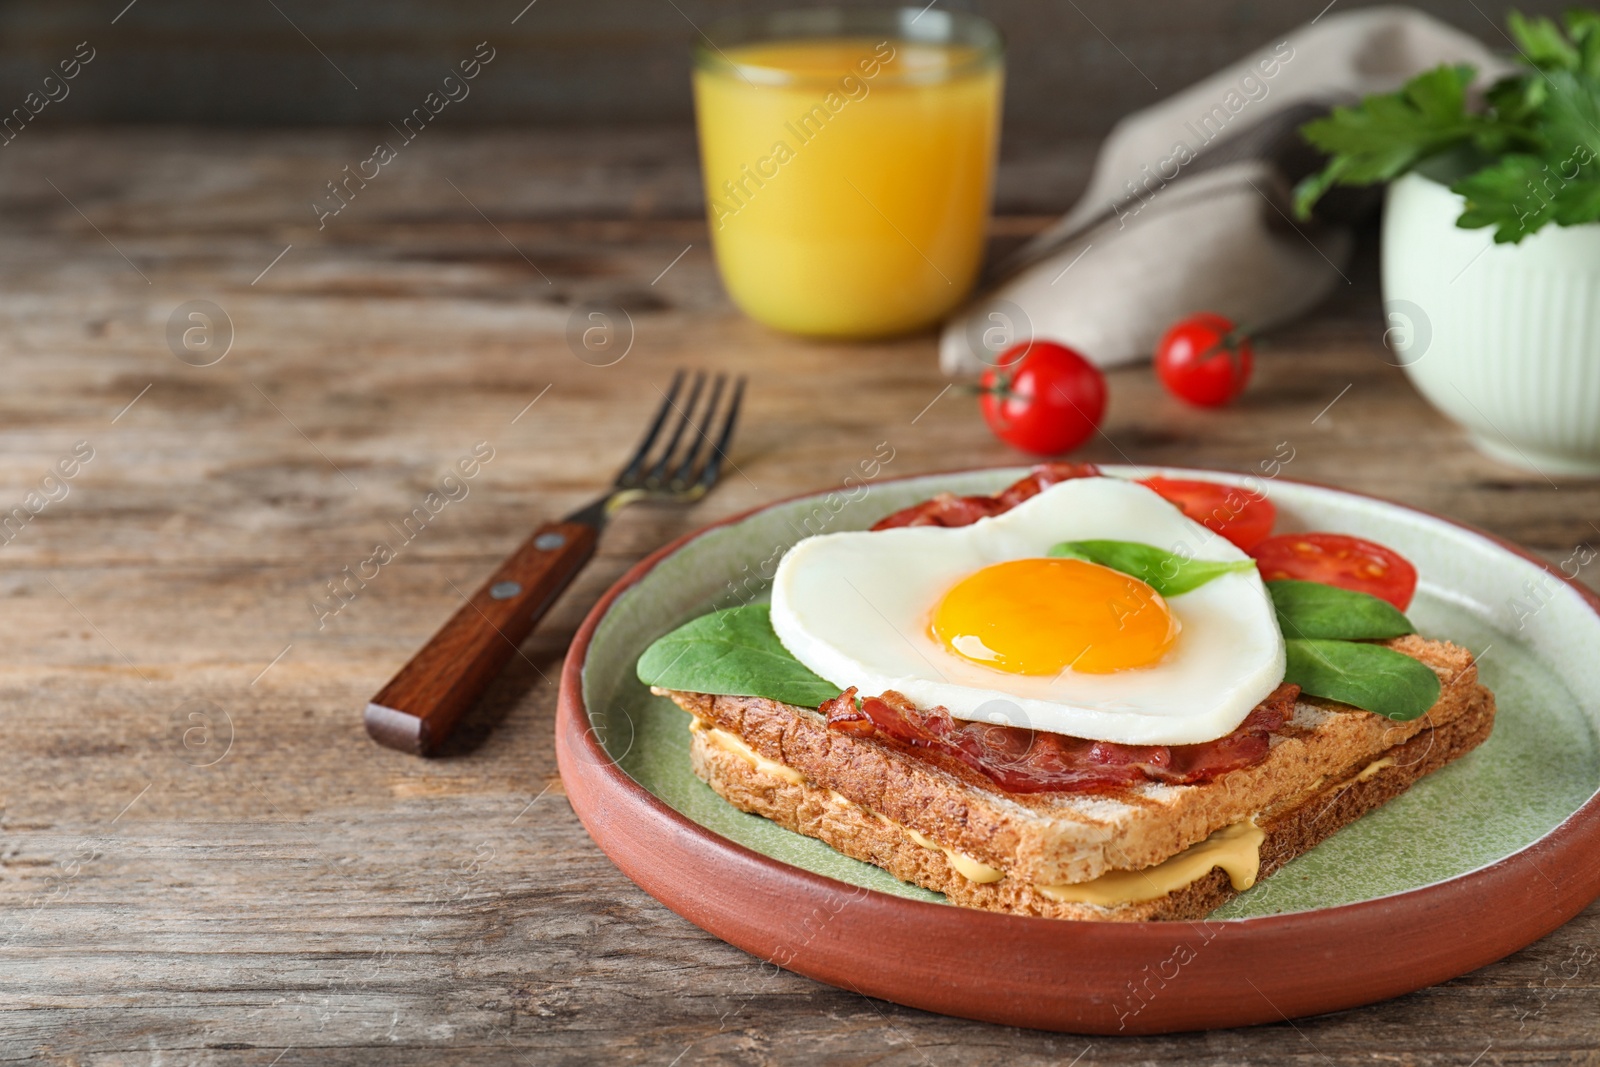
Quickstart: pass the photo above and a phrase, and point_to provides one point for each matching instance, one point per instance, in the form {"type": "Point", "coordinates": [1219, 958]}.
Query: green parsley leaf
{"type": "Point", "coordinates": [1542, 43]}
{"type": "Point", "coordinates": [1533, 149]}
{"type": "Point", "coordinates": [1518, 98]}
{"type": "Point", "coordinates": [1501, 196]}
{"type": "Point", "coordinates": [1521, 193]}
{"type": "Point", "coordinates": [1570, 123]}
{"type": "Point", "coordinates": [1584, 28]}
{"type": "Point", "coordinates": [1390, 134]}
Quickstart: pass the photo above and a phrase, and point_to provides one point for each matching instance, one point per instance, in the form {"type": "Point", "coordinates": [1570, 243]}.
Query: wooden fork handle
{"type": "Point", "coordinates": [419, 707]}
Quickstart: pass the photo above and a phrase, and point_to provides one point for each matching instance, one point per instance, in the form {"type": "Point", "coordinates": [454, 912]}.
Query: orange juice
{"type": "Point", "coordinates": [848, 178]}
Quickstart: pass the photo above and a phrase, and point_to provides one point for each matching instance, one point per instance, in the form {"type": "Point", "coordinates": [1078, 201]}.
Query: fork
{"type": "Point", "coordinates": [421, 704]}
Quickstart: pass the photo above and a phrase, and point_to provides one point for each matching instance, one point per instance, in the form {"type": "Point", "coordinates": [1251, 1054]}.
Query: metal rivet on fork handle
{"type": "Point", "coordinates": [504, 590]}
{"type": "Point", "coordinates": [547, 542]}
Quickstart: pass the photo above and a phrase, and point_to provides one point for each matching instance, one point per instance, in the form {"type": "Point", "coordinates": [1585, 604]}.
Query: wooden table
{"type": "Point", "coordinates": [202, 857]}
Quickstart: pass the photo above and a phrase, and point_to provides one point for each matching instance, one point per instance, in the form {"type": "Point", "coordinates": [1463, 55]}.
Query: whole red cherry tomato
{"type": "Point", "coordinates": [1242, 517]}
{"type": "Point", "coordinates": [1205, 360]}
{"type": "Point", "coordinates": [1043, 398]}
{"type": "Point", "coordinates": [1341, 560]}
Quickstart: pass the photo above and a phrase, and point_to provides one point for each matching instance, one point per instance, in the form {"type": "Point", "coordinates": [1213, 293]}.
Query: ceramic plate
{"type": "Point", "coordinates": [1472, 863]}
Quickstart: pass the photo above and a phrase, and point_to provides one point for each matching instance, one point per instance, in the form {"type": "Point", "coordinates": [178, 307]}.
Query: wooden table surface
{"type": "Point", "coordinates": [202, 857]}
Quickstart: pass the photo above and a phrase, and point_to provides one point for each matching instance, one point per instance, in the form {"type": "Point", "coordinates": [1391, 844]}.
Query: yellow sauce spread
{"type": "Point", "coordinates": [1373, 768]}
{"type": "Point", "coordinates": [1236, 849]}
{"type": "Point", "coordinates": [967, 867]}
{"type": "Point", "coordinates": [733, 743]}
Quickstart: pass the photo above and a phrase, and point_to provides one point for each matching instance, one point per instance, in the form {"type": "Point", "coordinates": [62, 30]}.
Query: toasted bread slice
{"type": "Point", "coordinates": [876, 801]}
{"type": "Point", "coordinates": [913, 857]}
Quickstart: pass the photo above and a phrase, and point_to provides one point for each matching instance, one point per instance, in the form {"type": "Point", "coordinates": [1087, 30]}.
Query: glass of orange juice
{"type": "Point", "coordinates": [849, 159]}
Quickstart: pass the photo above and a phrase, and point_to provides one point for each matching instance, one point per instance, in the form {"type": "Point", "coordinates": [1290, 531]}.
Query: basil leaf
{"type": "Point", "coordinates": [1311, 609]}
{"type": "Point", "coordinates": [1370, 677]}
{"type": "Point", "coordinates": [1165, 572]}
{"type": "Point", "coordinates": [732, 653]}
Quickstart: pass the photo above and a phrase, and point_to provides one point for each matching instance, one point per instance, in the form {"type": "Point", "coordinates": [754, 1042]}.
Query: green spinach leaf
{"type": "Point", "coordinates": [1311, 609]}
{"type": "Point", "coordinates": [732, 653]}
{"type": "Point", "coordinates": [1370, 677]}
{"type": "Point", "coordinates": [1167, 573]}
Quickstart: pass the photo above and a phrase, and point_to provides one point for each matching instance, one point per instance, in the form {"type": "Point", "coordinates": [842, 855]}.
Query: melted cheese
{"type": "Point", "coordinates": [1236, 849]}
{"type": "Point", "coordinates": [967, 867]}
{"type": "Point", "coordinates": [733, 743]}
{"type": "Point", "coordinates": [1373, 768]}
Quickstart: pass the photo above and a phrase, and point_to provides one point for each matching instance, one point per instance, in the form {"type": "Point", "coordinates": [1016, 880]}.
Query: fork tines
{"type": "Point", "coordinates": [697, 436]}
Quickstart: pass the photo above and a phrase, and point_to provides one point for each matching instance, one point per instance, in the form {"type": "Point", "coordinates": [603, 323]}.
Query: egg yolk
{"type": "Point", "coordinates": [1043, 616]}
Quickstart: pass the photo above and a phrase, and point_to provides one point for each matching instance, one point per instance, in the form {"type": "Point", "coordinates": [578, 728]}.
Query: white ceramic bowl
{"type": "Point", "coordinates": [1504, 339]}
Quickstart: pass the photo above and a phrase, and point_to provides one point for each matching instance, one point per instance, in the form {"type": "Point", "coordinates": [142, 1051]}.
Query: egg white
{"type": "Point", "coordinates": [855, 608]}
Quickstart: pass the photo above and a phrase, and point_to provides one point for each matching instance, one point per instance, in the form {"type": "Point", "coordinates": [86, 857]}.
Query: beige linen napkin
{"type": "Point", "coordinates": [1183, 214]}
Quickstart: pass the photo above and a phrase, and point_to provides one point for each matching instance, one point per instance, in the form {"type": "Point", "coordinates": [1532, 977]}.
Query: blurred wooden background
{"type": "Point", "coordinates": [1072, 65]}
{"type": "Point", "coordinates": [307, 897]}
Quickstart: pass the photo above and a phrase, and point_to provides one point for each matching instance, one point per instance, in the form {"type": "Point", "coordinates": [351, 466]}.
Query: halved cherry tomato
{"type": "Point", "coordinates": [1241, 516]}
{"type": "Point", "coordinates": [1341, 560]}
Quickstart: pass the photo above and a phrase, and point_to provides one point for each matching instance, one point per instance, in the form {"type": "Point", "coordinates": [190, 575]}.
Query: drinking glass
{"type": "Point", "coordinates": [848, 158]}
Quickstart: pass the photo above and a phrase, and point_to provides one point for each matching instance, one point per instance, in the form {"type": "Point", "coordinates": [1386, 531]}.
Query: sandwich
{"type": "Point", "coordinates": [1071, 699]}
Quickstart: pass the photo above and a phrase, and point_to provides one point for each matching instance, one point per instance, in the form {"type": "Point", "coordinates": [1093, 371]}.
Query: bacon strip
{"type": "Point", "coordinates": [1035, 761]}
{"type": "Point", "coordinates": [947, 509]}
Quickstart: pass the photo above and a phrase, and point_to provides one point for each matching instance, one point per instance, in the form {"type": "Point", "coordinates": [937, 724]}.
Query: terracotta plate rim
{"type": "Point", "coordinates": [667, 853]}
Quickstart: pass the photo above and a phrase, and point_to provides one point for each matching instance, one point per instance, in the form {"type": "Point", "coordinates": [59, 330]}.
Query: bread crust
{"type": "Point", "coordinates": [857, 832]}
{"type": "Point", "coordinates": [1060, 838]}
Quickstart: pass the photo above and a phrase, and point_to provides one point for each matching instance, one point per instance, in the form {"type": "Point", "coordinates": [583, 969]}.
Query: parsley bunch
{"type": "Point", "coordinates": [1536, 138]}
